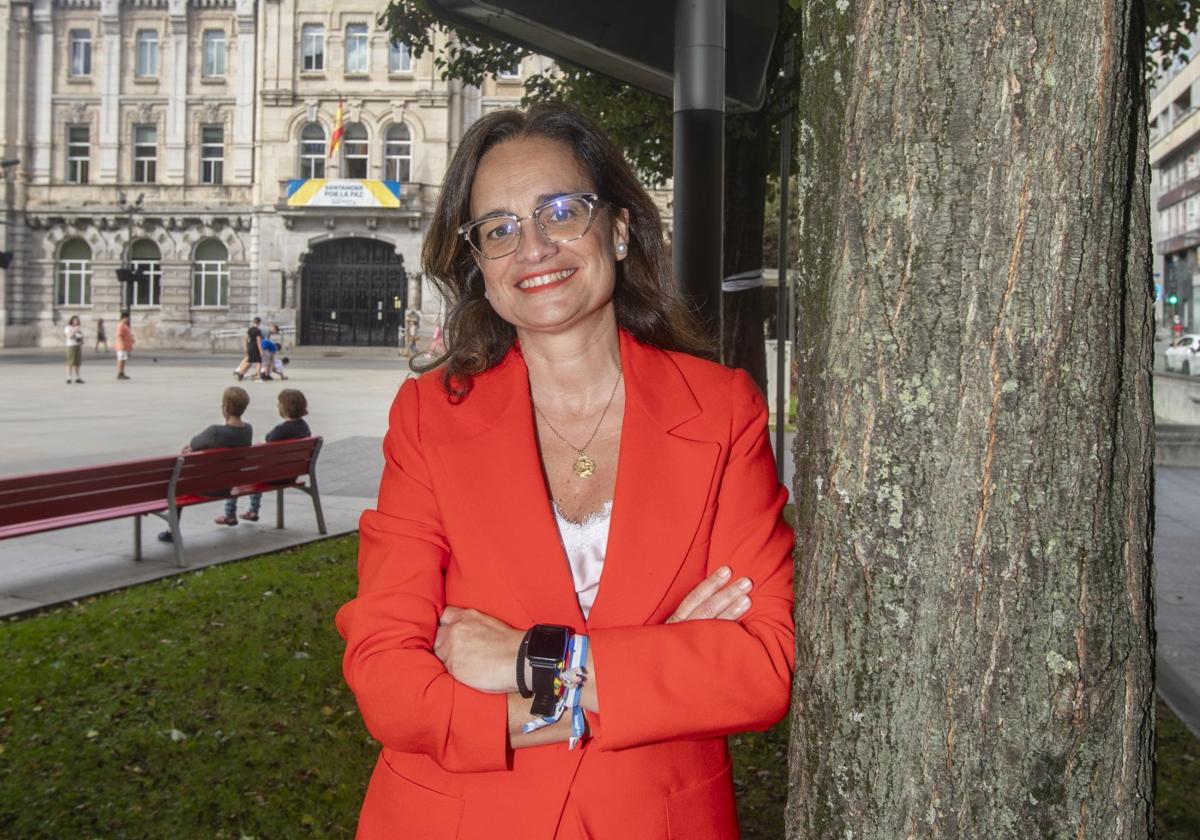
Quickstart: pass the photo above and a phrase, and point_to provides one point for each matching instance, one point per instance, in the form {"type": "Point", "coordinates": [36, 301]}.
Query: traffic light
{"type": "Point", "coordinates": [5, 258]}
{"type": "Point", "coordinates": [1173, 299]}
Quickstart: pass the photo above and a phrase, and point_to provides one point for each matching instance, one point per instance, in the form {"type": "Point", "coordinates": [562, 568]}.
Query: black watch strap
{"type": "Point", "coordinates": [546, 651]}
{"type": "Point", "coordinates": [521, 651]}
{"type": "Point", "coordinates": [545, 699]}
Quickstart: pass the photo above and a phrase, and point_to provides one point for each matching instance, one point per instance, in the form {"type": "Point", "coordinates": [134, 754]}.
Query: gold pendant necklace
{"type": "Point", "coordinates": [585, 465]}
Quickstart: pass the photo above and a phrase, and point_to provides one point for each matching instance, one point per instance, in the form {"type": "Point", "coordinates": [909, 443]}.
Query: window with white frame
{"type": "Point", "coordinates": [397, 153]}
{"type": "Point", "coordinates": [312, 47]}
{"type": "Point", "coordinates": [145, 154]}
{"type": "Point", "coordinates": [511, 72]}
{"type": "Point", "coordinates": [73, 285]}
{"type": "Point", "coordinates": [212, 154]}
{"type": "Point", "coordinates": [81, 52]}
{"type": "Point", "coordinates": [78, 153]}
{"type": "Point", "coordinates": [146, 64]}
{"type": "Point", "coordinates": [399, 58]}
{"type": "Point", "coordinates": [214, 53]}
{"type": "Point", "coordinates": [210, 274]}
{"type": "Point", "coordinates": [357, 57]}
{"type": "Point", "coordinates": [312, 151]}
{"type": "Point", "coordinates": [355, 151]}
{"type": "Point", "coordinates": [144, 256]}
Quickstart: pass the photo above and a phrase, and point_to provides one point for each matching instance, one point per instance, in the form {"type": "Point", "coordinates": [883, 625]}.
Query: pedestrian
{"type": "Point", "coordinates": [234, 432]}
{"type": "Point", "coordinates": [74, 340]}
{"type": "Point", "coordinates": [278, 360]}
{"type": "Point", "coordinates": [292, 408]}
{"type": "Point", "coordinates": [253, 351]}
{"type": "Point", "coordinates": [124, 345]}
{"type": "Point", "coordinates": [412, 329]}
{"type": "Point", "coordinates": [264, 369]}
{"type": "Point", "coordinates": [480, 568]}
{"type": "Point", "coordinates": [101, 336]}
{"type": "Point", "coordinates": [1176, 326]}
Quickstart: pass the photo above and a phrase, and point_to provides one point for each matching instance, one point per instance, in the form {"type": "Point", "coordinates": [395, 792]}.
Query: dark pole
{"type": "Point", "coordinates": [782, 316]}
{"type": "Point", "coordinates": [699, 145]}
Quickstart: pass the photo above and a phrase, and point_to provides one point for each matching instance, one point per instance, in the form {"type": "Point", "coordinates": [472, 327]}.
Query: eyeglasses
{"type": "Point", "coordinates": [561, 219]}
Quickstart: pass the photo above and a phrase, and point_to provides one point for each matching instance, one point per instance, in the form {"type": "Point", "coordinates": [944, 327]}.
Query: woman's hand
{"type": "Point", "coordinates": [478, 650]}
{"type": "Point", "coordinates": [713, 599]}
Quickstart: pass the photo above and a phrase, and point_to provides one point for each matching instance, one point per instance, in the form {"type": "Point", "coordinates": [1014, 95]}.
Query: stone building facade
{"type": "Point", "coordinates": [1174, 116]}
{"type": "Point", "coordinates": [174, 137]}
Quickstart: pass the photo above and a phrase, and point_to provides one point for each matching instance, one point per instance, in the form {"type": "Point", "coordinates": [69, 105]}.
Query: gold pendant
{"type": "Point", "coordinates": [584, 466]}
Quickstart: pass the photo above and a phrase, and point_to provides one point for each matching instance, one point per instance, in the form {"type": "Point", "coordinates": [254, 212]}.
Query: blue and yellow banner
{"type": "Point", "coordinates": [324, 192]}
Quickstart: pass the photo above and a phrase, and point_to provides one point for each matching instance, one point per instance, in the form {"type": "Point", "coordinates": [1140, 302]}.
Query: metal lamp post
{"type": "Point", "coordinates": [126, 276]}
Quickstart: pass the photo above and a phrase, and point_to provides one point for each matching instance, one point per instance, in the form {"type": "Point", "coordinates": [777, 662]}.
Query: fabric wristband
{"type": "Point", "coordinates": [570, 683]}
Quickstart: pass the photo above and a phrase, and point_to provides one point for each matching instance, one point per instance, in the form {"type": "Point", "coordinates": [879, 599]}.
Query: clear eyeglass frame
{"type": "Point", "coordinates": [590, 199]}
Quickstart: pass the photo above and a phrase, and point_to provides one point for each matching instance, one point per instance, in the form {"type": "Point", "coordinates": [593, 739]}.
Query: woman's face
{"type": "Point", "coordinates": [74, 322]}
{"type": "Point", "coordinates": [515, 177]}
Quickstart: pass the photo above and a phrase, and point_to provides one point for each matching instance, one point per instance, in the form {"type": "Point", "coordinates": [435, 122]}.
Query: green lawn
{"type": "Point", "coordinates": [211, 705]}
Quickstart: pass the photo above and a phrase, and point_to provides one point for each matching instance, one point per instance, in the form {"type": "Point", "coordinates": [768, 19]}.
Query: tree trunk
{"type": "Point", "coordinates": [746, 159]}
{"type": "Point", "coordinates": [974, 449]}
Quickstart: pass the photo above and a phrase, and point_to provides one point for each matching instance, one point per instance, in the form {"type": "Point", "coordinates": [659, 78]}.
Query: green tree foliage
{"type": "Point", "coordinates": [1169, 24]}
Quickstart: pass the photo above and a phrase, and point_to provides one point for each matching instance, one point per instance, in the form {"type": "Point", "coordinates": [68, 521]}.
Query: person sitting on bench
{"type": "Point", "coordinates": [234, 432]}
{"type": "Point", "coordinates": [292, 408]}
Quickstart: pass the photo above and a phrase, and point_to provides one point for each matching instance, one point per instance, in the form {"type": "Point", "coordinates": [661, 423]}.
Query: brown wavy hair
{"type": "Point", "coordinates": [644, 297]}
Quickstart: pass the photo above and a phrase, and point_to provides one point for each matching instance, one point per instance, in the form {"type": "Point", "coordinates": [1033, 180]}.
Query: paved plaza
{"type": "Point", "coordinates": [46, 424]}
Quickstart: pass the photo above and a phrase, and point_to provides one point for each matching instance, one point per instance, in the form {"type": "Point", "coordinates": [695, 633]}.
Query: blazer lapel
{"type": "Point", "coordinates": [497, 479]}
{"type": "Point", "coordinates": [663, 484]}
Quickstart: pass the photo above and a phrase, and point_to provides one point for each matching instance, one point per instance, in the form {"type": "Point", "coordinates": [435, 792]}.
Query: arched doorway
{"type": "Point", "coordinates": [353, 292]}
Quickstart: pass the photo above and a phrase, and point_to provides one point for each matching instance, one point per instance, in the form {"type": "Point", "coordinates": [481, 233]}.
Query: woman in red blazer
{"type": "Point", "coordinates": [572, 392]}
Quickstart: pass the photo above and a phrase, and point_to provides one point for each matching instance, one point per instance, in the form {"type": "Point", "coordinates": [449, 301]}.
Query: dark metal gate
{"type": "Point", "coordinates": [353, 292]}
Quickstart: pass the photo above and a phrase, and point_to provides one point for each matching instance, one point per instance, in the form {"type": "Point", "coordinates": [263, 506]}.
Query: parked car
{"type": "Point", "coordinates": [1184, 354]}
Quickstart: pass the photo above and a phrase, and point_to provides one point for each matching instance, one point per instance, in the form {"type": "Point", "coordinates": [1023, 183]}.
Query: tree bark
{"type": "Point", "coordinates": [974, 449]}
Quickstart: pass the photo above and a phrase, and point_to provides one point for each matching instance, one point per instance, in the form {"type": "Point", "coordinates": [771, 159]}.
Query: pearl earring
{"type": "Point", "coordinates": [622, 248]}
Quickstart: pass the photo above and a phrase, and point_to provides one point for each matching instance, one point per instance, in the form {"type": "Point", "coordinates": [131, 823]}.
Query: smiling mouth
{"type": "Point", "coordinates": [545, 279]}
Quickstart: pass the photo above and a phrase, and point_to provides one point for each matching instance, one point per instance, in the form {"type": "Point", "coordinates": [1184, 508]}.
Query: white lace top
{"type": "Point", "coordinates": [585, 543]}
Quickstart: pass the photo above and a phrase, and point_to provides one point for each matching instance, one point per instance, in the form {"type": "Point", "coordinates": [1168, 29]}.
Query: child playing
{"type": "Point", "coordinates": [234, 432]}
{"type": "Point", "coordinates": [292, 408]}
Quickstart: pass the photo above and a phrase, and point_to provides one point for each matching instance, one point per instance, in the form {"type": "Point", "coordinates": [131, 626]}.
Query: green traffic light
{"type": "Point", "coordinates": [1173, 299]}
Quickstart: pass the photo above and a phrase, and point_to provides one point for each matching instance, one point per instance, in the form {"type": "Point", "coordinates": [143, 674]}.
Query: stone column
{"type": "Point", "coordinates": [42, 92]}
{"type": "Point", "coordinates": [109, 147]}
{"type": "Point", "coordinates": [243, 117]}
{"type": "Point", "coordinates": [175, 161]}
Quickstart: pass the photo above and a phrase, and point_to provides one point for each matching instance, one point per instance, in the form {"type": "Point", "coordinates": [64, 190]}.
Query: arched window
{"type": "Point", "coordinates": [210, 274]}
{"type": "Point", "coordinates": [312, 151]}
{"type": "Point", "coordinates": [397, 153]}
{"type": "Point", "coordinates": [145, 257]}
{"type": "Point", "coordinates": [354, 151]}
{"type": "Point", "coordinates": [74, 286]}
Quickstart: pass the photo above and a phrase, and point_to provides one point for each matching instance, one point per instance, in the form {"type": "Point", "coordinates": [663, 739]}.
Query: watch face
{"type": "Point", "coordinates": [548, 642]}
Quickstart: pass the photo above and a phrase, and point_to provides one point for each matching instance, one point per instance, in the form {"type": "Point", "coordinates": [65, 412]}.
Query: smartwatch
{"type": "Point", "coordinates": [546, 651]}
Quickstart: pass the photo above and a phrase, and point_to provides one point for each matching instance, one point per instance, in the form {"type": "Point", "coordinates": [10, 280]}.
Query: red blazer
{"type": "Point", "coordinates": [464, 518]}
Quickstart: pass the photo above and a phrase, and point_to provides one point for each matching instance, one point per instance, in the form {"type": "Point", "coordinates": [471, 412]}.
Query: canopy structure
{"type": "Point", "coordinates": [708, 55]}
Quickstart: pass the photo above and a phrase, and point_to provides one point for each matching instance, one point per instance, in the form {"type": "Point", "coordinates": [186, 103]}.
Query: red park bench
{"type": "Point", "coordinates": [30, 504]}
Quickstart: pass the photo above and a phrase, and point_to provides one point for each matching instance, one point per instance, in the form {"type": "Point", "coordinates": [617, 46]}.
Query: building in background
{"type": "Point", "coordinates": [189, 142]}
{"type": "Point", "coordinates": [1175, 189]}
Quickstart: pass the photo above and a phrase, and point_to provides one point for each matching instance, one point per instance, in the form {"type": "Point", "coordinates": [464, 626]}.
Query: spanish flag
{"type": "Point", "coordinates": [338, 128]}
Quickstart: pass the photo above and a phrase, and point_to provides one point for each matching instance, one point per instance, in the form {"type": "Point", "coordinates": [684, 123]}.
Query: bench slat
{"type": "Point", "coordinates": [83, 504]}
{"type": "Point", "coordinates": [53, 523]}
{"type": "Point", "coordinates": [114, 474]}
{"type": "Point", "coordinates": [151, 483]}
